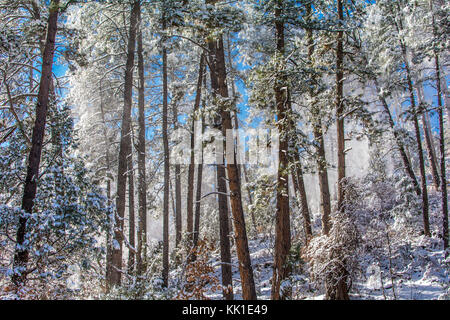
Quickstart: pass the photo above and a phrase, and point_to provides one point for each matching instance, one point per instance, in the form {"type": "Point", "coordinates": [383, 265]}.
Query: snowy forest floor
{"type": "Point", "coordinates": [424, 277]}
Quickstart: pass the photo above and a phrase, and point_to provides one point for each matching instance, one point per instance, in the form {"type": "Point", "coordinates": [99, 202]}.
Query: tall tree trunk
{"type": "Point", "coordinates": [108, 243]}
{"type": "Point", "coordinates": [300, 191]}
{"type": "Point", "coordinates": [21, 253]}
{"type": "Point", "coordinates": [445, 235]}
{"type": "Point", "coordinates": [131, 216]}
{"type": "Point", "coordinates": [445, 93]}
{"type": "Point", "coordinates": [142, 184]}
{"type": "Point", "coordinates": [243, 172]}
{"type": "Point", "coordinates": [336, 288]}
{"type": "Point", "coordinates": [340, 107]}
{"type": "Point", "coordinates": [426, 223]}
{"type": "Point", "coordinates": [297, 174]}
{"type": "Point", "coordinates": [165, 272]}
{"type": "Point", "coordinates": [322, 172]}
{"type": "Point", "coordinates": [282, 221]}
{"type": "Point", "coordinates": [191, 172]}
{"type": "Point", "coordinates": [236, 127]}
{"type": "Point", "coordinates": [245, 265]}
{"type": "Point", "coordinates": [428, 139]}
{"type": "Point", "coordinates": [178, 222]}
{"type": "Point", "coordinates": [225, 254]}
{"type": "Point", "coordinates": [409, 83]}
{"type": "Point", "coordinates": [198, 194]}
{"type": "Point", "coordinates": [124, 149]}
{"type": "Point", "coordinates": [108, 190]}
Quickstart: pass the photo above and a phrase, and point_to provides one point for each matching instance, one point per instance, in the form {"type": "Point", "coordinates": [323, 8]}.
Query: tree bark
{"type": "Point", "coordinates": [142, 184]}
{"type": "Point", "coordinates": [108, 190]}
{"type": "Point", "coordinates": [198, 194]}
{"type": "Point", "coordinates": [225, 254]}
{"type": "Point", "coordinates": [245, 265]}
{"type": "Point", "coordinates": [445, 235]}
{"type": "Point", "coordinates": [409, 83]}
{"type": "Point", "coordinates": [426, 223]}
{"type": "Point", "coordinates": [340, 108]}
{"type": "Point", "coordinates": [241, 240]}
{"type": "Point", "coordinates": [428, 139]}
{"type": "Point", "coordinates": [336, 288]}
{"type": "Point", "coordinates": [30, 187]}
{"type": "Point", "coordinates": [300, 190]}
{"type": "Point", "coordinates": [322, 172]}
{"type": "Point", "coordinates": [236, 127]}
{"type": "Point", "coordinates": [124, 149]}
{"type": "Point", "coordinates": [282, 221]}
{"type": "Point", "coordinates": [131, 215]}
{"type": "Point", "coordinates": [165, 272]}
{"type": "Point", "coordinates": [191, 172]}
{"type": "Point", "coordinates": [178, 214]}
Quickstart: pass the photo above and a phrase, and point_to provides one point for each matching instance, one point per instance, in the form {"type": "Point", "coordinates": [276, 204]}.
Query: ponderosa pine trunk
{"type": "Point", "coordinates": [191, 228]}
{"type": "Point", "coordinates": [300, 190]}
{"type": "Point", "coordinates": [322, 171]}
{"type": "Point", "coordinates": [198, 193]}
{"type": "Point", "coordinates": [108, 189]}
{"type": "Point", "coordinates": [124, 149]}
{"type": "Point", "coordinates": [34, 159]}
{"type": "Point", "coordinates": [219, 72]}
{"type": "Point", "coordinates": [142, 184]}
{"type": "Point", "coordinates": [165, 271]}
{"type": "Point", "coordinates": [414, 111]}
{"type": "Point", "coordinates": [243, 173]}
{"type": "Point", "coordinates": [225, 253]}
{"type": "Point", "coordinates": [281, 269]}
{"type": "Point", "coordinates": [340, 108]}
{"type": "Point", "coordinates": [236, 128]}
{"type": "Point", "coordinates": [428, 139]}
{"type": "Point", "coordinates": [131, 215]}
{"type": "Point", "coordinates": [445, 93]}
{"type": "Point", "coordinates": [241, 240]}
{"type": "Point", "coordinates": [178, 213]}
{"type": "Point", "coordinates": [336, 288]}
{"type": "Point", "coordinates": [444, 198]}
{"type": "Point", "coordinates": [297, 175]}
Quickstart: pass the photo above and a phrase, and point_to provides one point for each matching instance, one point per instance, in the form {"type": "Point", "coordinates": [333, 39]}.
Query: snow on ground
{"type": "Point", "coordinates": [425, 275]}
